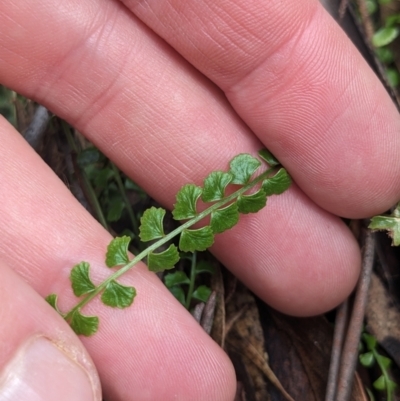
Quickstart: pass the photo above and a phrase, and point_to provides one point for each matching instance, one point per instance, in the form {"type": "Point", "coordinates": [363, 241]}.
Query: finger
{"type": "Point", "coordinates": [165, 125]}
{"type": "Point", "coordinates": [40, 356]}
{"type": "Point", "coordinates": [297, 81]}
{"type": "Point", "coordinates": [152, 351]}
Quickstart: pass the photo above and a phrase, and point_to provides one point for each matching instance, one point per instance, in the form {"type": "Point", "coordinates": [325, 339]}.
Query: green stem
{"type": "Point", "coordinates": [128, 206]}
{"type": "Point", "coordinates": [92, 197]}
{"type": "Point", "coordinates": [192, 279]}
{"type": "Point", "coordinates": [389, 392]}
{"type": "Point", "coordinates": [167, 238]}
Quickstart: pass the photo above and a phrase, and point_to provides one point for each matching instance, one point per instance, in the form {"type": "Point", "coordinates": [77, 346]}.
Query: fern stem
{"type": "Point", "coordinates": [389, 392]}
{"type": "Point", "coordinates": [89, 191]}
{"type": "Point", "coordinates": [192, 280]}
{"type": "Point", "coordinates": [128, 206]}
{"type": "Point", "coordinates": [167, 238]}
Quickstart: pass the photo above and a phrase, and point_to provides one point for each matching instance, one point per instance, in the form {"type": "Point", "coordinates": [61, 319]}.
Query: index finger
{"type": "Point", "coordinates": [298, 82]}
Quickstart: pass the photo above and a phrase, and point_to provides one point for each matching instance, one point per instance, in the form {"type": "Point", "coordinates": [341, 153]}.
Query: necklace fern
{"type": "Point", "coordinates": [224, 211]}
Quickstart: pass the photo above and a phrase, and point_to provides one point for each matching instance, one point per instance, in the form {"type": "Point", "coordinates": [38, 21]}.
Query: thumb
{"type": "Point", "coordinates": [40, 357]}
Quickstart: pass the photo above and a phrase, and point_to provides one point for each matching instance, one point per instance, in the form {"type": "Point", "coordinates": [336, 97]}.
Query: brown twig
{"type": "Point", "coordinates": [342, 8]}
{"type": "Point", "coordinates": [350, 348]}
{"type": "Point", "coordinates": [337, 345]}
{"type": "Point", "coordinates": [36, 129]}
{"type": "Point", "coordinates": [207, 318]}
{"type": "Point", "coordinates": [365, 19]}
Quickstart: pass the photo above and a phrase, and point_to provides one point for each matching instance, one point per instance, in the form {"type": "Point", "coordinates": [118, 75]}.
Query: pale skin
{"type": "Point", "coordinates": [236, 76]}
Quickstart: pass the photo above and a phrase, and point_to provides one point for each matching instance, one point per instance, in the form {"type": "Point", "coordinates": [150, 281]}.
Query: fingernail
{"type": "Point", "coordinates": [41, 371]}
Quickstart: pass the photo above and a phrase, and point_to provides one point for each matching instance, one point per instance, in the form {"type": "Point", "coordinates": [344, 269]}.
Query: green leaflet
{"type": "Point", "coordinates": [389, 223]}
{"type": "Point", "coordinates": [84, 325]}
{"type": "Point", "coordinates": [152, 224]}
{"type": "Point", "coordinates": [204, 267]}
{"type": "Point", "coordinates": [80, 280]}
{"type": "Point", "coordinates": [277, 184]}
{"type": "Point", "coordinates": [225, 218]}
{"type": "Point", "coordinates": [196, 240]}
{"type": "Point", "coordinates": [242, 167]}
{"type": "Point", "coordinates": [167, 259]}
{"type": "Point", "coordinates": [202, 293]}
{"type": "Point", "coordinates": [384, 383]}
{"type": "Point", "coordinates": [176, 278]}
{"type": "Point", "coordinates": [383, 361]}
{"type": "Point", "coordinates": [267, 156]}
{"type": "Point", "coordinates": [370, 341]}
{"type": "Point", "coordinates": [117, 295]}
{"type": "Point", "coordinates": [178, 293]}
{"type": "Point", "coordinates": [385, 35]}
{"type": "Point", "coordinates": [115, 209]}
{"type": "Point", "coordinates": [252, 203]}
{"type": "Point", "coordinates": [103, 177]}
{"type": "Point", "coordinates": [88, 156]}
{"type": "Point", "coordinates": [367, 359]}
{"type": "Point", "coordinates": [215, 185]}
{"type": "Point", "coordinates": [186, 200]}
{"type": "Point", "coordinates": [52, 300]}
{"type": "Point", "coordinates": [117, 251]}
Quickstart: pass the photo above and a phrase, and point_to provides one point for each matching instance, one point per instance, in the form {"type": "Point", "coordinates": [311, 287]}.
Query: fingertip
{"type": "Point", "coordinates": [297, 257]}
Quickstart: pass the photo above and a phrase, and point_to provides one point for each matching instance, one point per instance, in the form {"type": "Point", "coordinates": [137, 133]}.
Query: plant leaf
{"type": "Point", "coordinates": [225, 218]}
{"type": "Point", "coordinates": [152, 224]}
{"type": "Point", "coordinates": [179, 294]}
{"type": "Point", "coordinates": [242, 167]}
{"type": "Point", "coordinates": [196, 240]}
{"type": "Point", "coordinates": [393, 77]}
{"type": "Point", "coordinates": [80, 280]}
{"type": "Point", "coordinates": [101, 178]}
{"type": "Point", "coordinates": [385, 35]}
{"type": "Point", "coordinates": [370, 341]}
{"type": "Point", "coordinates": [385, 55]}
{"type": "Point", "coordinates": [214, 186]}
{"type": "Point", "coordinates": [252, 203]}
{"type": "Point", "coordinates": [391, 385]}
{"type": "Point", "coordinates": [116, 207]}
{"type": "Point", "coordinates": [367, 359]}
{"type": "Point", "coordinates": [176, 278]}
{"type": "Point", "coordinates": [186, 200]}
{"type": "Point", "coordinates": [85, 325]}
{"type": "Point", "coordinates": [88, 156]}
{"type": "Point", "coordinates": [117, 295]}
{"type": "Point", "coordinates": [391, 224]}
{"type": "Point", "coordinates": [393, 20]}
{"type": "Point", "coordinates": [202, 293]}
{"type": "Point", "coordinates": [380, 383]}
{"type": "Point", "coordinates": [52, 300]}
{"type": "Point", "coordinates": [385, 362]}
{"type": "Point", "coordinates": [117, 251]}
{"type": "Point", "coordinates": [267, 156]}
{"type": "Point", "coordinates": [277, 184]}
{"type": "Point", "coordinates": [158, 262]}
{"type": "Point", "coordinates": [204, 267]}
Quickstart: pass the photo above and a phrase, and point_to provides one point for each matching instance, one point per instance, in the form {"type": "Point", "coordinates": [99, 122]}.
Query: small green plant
{"type": "Point", "coordinates": [372, 356]}
{"type": "Point", "coordinates": [249, 196]}
{"type": "Point", "coordinates": [183, 287]}
{"type": "Point", "coordinates": [105, 187]}
{"type": "Point", "coordinates": [7, 106]}
{"type": "Point", "coordinates": [390, 223]}
{"type": "Point", "coordinates": [387, 30]}
{"type": "Point", "coordinates": [110, 186]}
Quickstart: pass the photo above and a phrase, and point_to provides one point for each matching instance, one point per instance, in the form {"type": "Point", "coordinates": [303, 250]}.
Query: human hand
{"type": "Point", "coordinates": [292, 81]}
